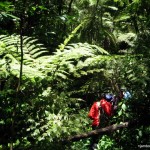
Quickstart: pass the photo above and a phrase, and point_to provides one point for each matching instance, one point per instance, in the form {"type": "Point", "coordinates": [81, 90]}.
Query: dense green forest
{"type": "Point", "coordinates": [57, 56]}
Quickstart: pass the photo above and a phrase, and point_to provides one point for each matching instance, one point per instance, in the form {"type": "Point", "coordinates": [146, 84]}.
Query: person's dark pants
{"type": "Point", "coordinates": [94, 139]}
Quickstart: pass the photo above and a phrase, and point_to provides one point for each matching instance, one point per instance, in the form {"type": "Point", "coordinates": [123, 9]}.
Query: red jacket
{"type": "Point", "coordinates": [94, 113]}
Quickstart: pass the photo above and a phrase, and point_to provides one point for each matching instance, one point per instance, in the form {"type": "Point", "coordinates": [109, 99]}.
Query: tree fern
{"type": "Point", "coordinates": [80, 69]}
{"type": "Point", "coordinates": [32, 50]}
{"type": "Point", "coordinates": [31, 46]}
{"type": "Point", "coordinates": [73, 59]}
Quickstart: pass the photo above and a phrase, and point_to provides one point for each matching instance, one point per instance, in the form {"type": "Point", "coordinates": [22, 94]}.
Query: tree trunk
{"type": "Point", "coordinates": [108, 129]}
{"type": "Point", "coordinates": [101, 131]}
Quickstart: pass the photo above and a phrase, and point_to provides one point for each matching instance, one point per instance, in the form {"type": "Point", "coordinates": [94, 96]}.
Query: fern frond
{"type": "Point", "coordinates": [76, 58]}
{"type": "Point", "coordinates": [30, 46]}
{"type": "Point", "coordinates": [111, 37]}
{"type": "Point", "coordinates": [62, 46]}
{"type": "Point", "coordinates": [11, 56]}
{"type": "Point", "coordinates": [78, 50]}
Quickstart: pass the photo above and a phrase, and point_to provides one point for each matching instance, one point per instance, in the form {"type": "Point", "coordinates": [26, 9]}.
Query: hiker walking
{"type": "Point", "coordinates": [104, 104]}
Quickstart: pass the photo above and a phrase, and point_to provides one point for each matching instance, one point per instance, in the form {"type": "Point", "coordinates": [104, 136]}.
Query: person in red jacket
{"type": "Point", "coordinates": [95, 113]}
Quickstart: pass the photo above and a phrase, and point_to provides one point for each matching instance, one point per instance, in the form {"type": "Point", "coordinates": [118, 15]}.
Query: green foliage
{"type": "Point", "coordinates": [6, 8]}
{"type": "Point", "coordinates": [44, 111]}
{"type": "Point", "coordinates": [107, 143]}
{"type": "Point", "coordinates": [57, 90]}
{"type": "Point", "coordinates": [62, 46]}
{"type": "Point", "coordinates": [48, 106]}
{"type": "Point", "coordinates": [126, 41]}
{"type": "Point", "coordinates": [11, 55]}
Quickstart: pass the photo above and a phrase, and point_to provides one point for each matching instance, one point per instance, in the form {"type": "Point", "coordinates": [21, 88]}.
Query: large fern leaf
{"type": "Point", "coordinates": [31, 47]}
{"type": "Point", "coordinates": [11, 52]}
{"type": "Point", "coordinates": [74, 59]}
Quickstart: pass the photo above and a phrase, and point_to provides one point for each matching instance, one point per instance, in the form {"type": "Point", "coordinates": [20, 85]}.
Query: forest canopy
{"type": "Point", "coordinates": [58, 57]}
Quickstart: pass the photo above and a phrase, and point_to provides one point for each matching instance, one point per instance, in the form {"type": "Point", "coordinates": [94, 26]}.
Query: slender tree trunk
{"type": "Point", "coordinates": [19, 83]}
{"type": "Point", "coordinates": [69, 8]}
{"type": "Point", "coordinates": [134, 20]}
{"type": "Point", "coordinates": [60, 7]}
{"type": "Point", "coordinates": [20, 75]}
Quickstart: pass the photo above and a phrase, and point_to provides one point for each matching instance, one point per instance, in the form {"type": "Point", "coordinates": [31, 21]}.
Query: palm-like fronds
{"type": "Point", "coordinates": [11, 54]}
{"type": "Point", "coordinates": [31, 47]}
{"type": "Point", "coordinates": [75, 61]}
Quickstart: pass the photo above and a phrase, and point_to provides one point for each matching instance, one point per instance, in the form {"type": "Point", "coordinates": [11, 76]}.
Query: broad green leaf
{"type": "Point", "coordinates": [124, 107]}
